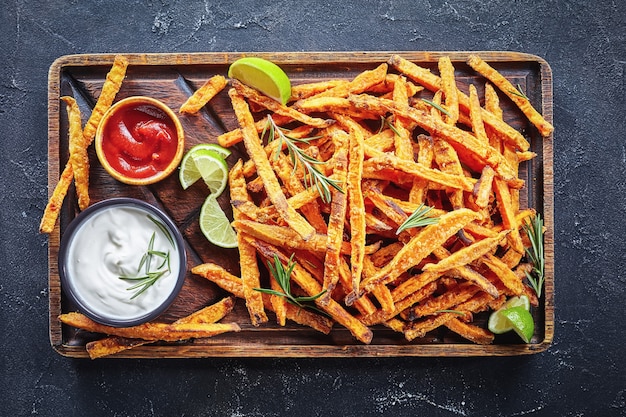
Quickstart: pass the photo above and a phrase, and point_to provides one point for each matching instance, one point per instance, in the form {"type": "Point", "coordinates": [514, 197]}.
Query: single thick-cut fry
{"type": "Point", "coordinates": [336, 221]}
{"type": "Point", "coordinates": [476, 115]}
{"type": "Point", "coordinates": [264, 169]}
{"type": "Point", "coordinates": [247, 254]}
{"type": "Point", "coordinates": [450, 92]}
{"type": "Point", "coordinates": [78, 152]}
{"type": "Point", "coordinates": [484, 186]}
{"type": "Point", "coordinates": [151, 331]}
{"type": "Point", "coordinates": [487, 71]}
{"type": "Point", "coordinates": [51, 213]}
{"type": "Point", "coordinates": [470, 332]}
{"type": "Point", "coordinates": [507, 212]}
{"type": "Point", "coordinates": [110, 88]}
{"type": "Point", "coordinates": [203, 95]}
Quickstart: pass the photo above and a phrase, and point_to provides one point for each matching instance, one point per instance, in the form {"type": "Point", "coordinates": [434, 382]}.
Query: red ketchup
{"type": "Point", "coordinates": [139, 140]}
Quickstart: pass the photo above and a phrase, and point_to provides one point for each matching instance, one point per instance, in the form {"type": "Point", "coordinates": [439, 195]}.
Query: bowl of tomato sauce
{"type": "Point", "coordinates": [140, 140]}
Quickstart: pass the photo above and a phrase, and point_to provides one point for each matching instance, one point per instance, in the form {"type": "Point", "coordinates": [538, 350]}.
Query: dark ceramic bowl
{"type": "Point", "coordinates": [109, 301]}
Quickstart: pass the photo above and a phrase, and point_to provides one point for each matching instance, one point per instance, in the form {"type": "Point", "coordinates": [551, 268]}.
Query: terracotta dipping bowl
{"type": "Point", "coordinates": [140, 141]}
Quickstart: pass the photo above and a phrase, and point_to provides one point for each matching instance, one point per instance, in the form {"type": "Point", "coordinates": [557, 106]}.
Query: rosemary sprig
{"type": "Point", "coordinates": [534, 231]}
{"type": "Point", "coordinates": [163, 229]}
{"type": "Point", "coordinates": [519, 92]}
{"type": "Point", "coordinates": [149, 276]}
{"type": "Point", "coordinates": [437, 106]}
{"type": "Point", "coordinates": [283, 278]}
{"type": "Point", "coordinates": [418, 218]}
{"type": "Point", "coordinates": [385, 122]}
{"type": "Point", "coordinates": [312, 175]}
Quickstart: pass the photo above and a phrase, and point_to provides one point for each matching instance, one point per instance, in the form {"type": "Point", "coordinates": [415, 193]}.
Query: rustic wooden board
{"type": "Point", "coordinates": [172, 78]}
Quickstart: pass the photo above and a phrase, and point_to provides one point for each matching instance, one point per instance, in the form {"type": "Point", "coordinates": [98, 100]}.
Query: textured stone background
{"type": "Point", "coordinates": [582, 374]}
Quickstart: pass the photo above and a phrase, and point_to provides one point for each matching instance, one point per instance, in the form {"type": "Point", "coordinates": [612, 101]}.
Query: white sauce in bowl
{"type": "Point", "coordinates": [110, 244]}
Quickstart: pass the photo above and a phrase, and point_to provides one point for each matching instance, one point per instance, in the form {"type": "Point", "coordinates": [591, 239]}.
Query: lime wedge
{"type": "Point", "coordinates": [522, 322]}
{"type": "Point", "coordinates": [207, 164]}
{"type": "Point", "coordinates": [498, 324]}
{"type": "Point", "coordinates": [262, 75]}
{"type": "Point", "coordinates": [215, 225]}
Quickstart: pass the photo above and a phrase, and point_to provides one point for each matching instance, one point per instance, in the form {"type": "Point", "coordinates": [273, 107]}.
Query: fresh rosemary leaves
{"type": "Point", "coordinates": [312, 175]}
{"type": "Point", "coordinates": [283, 278]}
{"type": "Point", "coordinates": [519, 92]}
{"type": "Point", "coordinates": [437, 106]}
{"type": "Point", "coordinates": [150, 275]}
{"type": "Point", "coordinates": [534, 230]}
{"type": "Point", "coordinates": [418, 218]}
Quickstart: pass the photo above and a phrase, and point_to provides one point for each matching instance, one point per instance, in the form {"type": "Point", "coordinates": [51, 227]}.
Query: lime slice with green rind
{"type": "Point", "coordinates": [215, 225]}
{"type": "Point", "coordinates": [522, 322]}
{"type": "Point", "coordinates": [498, 324]}
{"type": "Point", "coordinates": [262, 75]}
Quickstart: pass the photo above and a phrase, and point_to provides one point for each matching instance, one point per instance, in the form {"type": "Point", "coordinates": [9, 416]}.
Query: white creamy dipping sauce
{"type": "Point", "coordinates": [111, 244]}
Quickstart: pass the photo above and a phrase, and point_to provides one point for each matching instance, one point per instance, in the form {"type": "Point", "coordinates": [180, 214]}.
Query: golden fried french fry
{"type": "Point", "coordinates": [110, 88]}
{"type": "Point", "coordinates": [203, 95]}
{"type": "Point", "coordinates": [302, 91]}
{"type": "Point", "coordinates": [492, 101]}
{"type": "Point", "coordinates": [264, 170]}
{"type": "Point", "coordinates": [419, 329]}
{"type": "Point", "coordinates": [450, 91]}
{"type": "Point", "coordinates": [433, 83]}
{"type": "Point", "coordinates": [360, 83]}
{"type": "Point", "coordinates": [286, 237]}
{"type": "Point", "coordinates": [470, 332]}
{"type": "Point", "coordinates": [448, 161]}
{"type": "Point", "coordinates": [383, 161]}
{"type": "Point", "coordinates": [356, 204]}
{"type": "Point", "coordinates": [278, 108]}
{"type": "Point", "coordinates": [151, 331]}
{"type": "Point", "coordinates": [78, 152]}
{"type": "Point", "coordinates": [507, 212]}
{"type": "Point", "coordinates": [420, 245]}
{"type": "Point", "coordinates": [467, 273]}
{"type": "Point", "coordinates": [336, 220]}
{"type": "Point", "coordinates": [467, 255]}
{"type": "Point", "coordinates": [247, 254]}
{"type": "Point", "coordinates": [114, 344]}
{"type": "Point", "coordinates": [53, 208]}
{"type": "Point", "coordinates": [483, 188]}
{"type": "Point", "coordinates": [232, 284]}
{"type": "Point", "coordinates": [518, 97]}
{"type": "Point", "coordinates": [504, 273]}
{"type": "Point", "coordinates": [446, 301]}
{"type": "Point", "coordinates": [403, 146]}
{"type": "Point", "coordinates": [476, 116]}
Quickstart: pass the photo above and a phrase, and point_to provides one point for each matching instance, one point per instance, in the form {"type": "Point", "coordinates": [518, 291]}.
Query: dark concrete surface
{"type": "Point", "coordinates": [583, 372]}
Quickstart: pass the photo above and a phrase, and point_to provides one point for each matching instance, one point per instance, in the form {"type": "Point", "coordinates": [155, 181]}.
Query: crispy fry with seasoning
{"type": "Point", "coordinates": [203, 95]}
{"type": "Point", "coordinates": [78, 152]}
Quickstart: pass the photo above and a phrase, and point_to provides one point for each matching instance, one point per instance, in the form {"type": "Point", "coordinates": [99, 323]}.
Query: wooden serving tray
{"type": "Point", "coordinates": [172, 78]}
